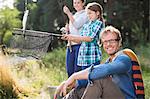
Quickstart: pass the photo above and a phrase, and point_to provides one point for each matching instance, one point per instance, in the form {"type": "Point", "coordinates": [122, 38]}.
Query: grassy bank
{"type": "Point", "coordinates": [37, 75]}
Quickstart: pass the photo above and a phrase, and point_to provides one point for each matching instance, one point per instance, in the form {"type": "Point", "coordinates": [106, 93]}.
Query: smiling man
{"type": "Point", "coordinates": [112, 80]}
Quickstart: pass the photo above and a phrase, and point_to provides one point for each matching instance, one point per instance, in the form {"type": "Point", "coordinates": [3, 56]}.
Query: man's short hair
{"type": "Point", "coordinates": [112, 29]}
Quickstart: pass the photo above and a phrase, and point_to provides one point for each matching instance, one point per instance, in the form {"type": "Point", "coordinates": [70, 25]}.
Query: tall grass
{"type": "Point", "coordinates": [9, 86]}
{"type": "Point", "coordinates": [55, 62]}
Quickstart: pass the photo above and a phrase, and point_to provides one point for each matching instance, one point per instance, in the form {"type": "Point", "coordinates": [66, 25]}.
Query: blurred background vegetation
{"type": "Point", "coordinates": [130, 16]}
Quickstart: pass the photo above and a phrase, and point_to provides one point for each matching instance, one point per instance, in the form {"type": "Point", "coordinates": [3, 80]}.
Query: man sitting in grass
{"type": "Point", "coordinates": [120, 77]}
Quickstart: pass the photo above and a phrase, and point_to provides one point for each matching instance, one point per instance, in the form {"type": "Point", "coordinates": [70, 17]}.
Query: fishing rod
{"type": "Point", "coordinates": [33, 33]}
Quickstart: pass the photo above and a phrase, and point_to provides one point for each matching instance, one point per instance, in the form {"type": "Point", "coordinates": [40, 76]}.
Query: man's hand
{"type": "Point", "coordinates": [64, 86]}
{"type": "Point", "coordinates": [69, 84]}
{"type": "Point", "coordinates": [58, 91]}
{"type": "Point", "coordinates": [66, 10]}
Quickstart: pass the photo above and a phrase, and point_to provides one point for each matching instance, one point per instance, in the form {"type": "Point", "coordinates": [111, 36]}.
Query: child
{"type": "Point", "coordinates": [89, 52]}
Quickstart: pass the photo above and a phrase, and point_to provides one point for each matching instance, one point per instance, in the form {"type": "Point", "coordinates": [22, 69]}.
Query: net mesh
{"type": "Point", "coordinates": [32, 43]}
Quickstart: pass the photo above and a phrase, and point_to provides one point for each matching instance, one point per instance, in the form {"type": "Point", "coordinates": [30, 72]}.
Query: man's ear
{"type": "Point", "coordinates": [120, 44]}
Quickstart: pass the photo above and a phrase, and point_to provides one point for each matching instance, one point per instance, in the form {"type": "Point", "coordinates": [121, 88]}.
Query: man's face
{"type": "Point", "coordinates": [78, 5]}
{"type": "Point", "coordinates": [110, 43]}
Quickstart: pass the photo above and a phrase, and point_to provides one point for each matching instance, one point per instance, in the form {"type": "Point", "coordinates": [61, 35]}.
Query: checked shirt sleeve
{"type": "Point", "coordinates": [95, 28]}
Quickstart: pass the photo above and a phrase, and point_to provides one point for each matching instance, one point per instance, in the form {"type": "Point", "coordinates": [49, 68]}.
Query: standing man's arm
{"type": "Point", "coordinates": [69, 14]}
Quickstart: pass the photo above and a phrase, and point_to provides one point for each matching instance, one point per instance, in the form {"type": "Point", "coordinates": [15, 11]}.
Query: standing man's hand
{"type": "Point", "coordinates": [69, 14]}
{"type": "Point", "coordinates": [68, 37]}
{"type": "Point", "coordinates": [66, 10]}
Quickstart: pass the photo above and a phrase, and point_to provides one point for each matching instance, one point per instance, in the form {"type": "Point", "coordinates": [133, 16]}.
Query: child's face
{"type": "Point", "coordinates": [92, 15]}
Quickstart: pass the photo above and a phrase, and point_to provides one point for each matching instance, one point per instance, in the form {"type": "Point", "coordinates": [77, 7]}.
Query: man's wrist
{"type": "Point", "coordinates": [74, 76]}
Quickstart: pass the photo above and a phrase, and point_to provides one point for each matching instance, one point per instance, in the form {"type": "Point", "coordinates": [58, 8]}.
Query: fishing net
{"type": "Point", "coordinates": [33, 43]}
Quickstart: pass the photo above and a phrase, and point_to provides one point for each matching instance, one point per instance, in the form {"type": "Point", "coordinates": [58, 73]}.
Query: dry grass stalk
{"type": "Point", "coordinates": [8, 83]}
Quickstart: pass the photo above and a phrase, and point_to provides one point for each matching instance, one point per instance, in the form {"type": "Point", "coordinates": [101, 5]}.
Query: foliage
{"type": "Point", "coordinates": [8, 20]}
{"type": "Point", "coordinates": [127, 16]}
{"type": "Point", "coordinates": [146, 77]}
{"type": "Point", "coordinates": [7, 37]}
{"type": "Point", "coordinates": [137, 30]}
{"type": "Point", "coordinates": [144, 56]}
{"type": "Point", "coordinates": [55, 57]}
{"type": "Point", "coordinates": [130, 17]}
{"type": "Point", "coordinates": [55, 60]}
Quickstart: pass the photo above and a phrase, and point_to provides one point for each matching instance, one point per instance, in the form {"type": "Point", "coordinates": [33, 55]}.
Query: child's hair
{"type": "Point", "coordinates": [96, 7]}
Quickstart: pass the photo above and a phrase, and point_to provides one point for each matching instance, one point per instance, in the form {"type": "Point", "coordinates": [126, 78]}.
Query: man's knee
{"type": "Point", "coordinates": [103, 88]}
{"type": "Point", "coordinates": [110, 89]}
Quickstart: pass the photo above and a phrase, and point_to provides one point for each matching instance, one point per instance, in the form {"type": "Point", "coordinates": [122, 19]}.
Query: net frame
{"type": "Point", "coordinates": [33, 43]}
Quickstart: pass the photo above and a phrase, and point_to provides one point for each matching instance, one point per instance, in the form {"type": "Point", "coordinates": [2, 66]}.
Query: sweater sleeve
{"type": "Point", "coordinates": [120, 65]}
{"type": "Point", "coordinates": [80, 21]}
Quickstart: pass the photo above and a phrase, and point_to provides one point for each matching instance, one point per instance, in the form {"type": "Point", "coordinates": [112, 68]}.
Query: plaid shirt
{"type": "Point", "coordinates": [89, 52]}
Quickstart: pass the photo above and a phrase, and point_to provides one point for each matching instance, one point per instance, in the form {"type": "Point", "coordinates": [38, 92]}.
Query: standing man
{"type": "Point", "coordinates": [112, 80]}
{"type": "Point", "coordinates": [76, 22]}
